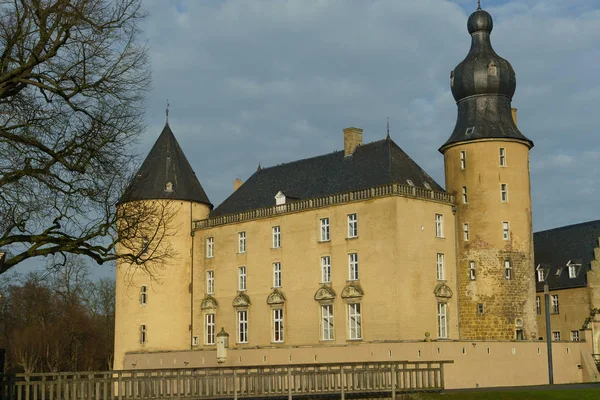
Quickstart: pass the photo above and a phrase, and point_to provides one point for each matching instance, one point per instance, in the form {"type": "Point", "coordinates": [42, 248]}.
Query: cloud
{"type": "Point", "coordinates": [273, 81]}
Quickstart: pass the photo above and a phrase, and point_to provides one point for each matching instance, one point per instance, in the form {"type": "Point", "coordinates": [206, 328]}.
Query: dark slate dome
{"type": "Point", "coordinates": [166, 174]}
{"type": "Point", "coordinates": [483, 85]}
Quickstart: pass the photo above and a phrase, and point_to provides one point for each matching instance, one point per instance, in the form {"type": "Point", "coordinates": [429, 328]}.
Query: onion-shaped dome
{"type": "Point", "coordinates": [483, 85]}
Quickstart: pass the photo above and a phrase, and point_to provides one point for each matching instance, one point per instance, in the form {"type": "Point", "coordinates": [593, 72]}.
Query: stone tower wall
{"type": "Point", "coordinates": [508, 304]}
{"type": "Point", "coordinates": [167, 312]}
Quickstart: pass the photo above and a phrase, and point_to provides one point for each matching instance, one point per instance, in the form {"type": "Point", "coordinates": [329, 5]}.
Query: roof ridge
{"type": "Point", "coordinates": [569, 226]}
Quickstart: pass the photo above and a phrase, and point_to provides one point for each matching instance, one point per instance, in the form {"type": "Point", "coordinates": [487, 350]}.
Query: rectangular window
{"type": "Point", "coordinates": [472, 270]}
{"type": "Point", "coordinates": [276, 237]}
{"type": "Point", "coordinates": [325, 269]}
{"type": "Point", "coordinates": [502, 157]}
{"type": "Point", "coordinates": [242, 279]}
{"type": "Point", "coordinates": [439, 225]}
{"type": "Point", "coordinates": [538, 305]}
{"type": "Point", "coordinates": [210, 247]}
{"type": "Point", "coordinates": [210, 282]}
{"type": "Point", "coordinates": [242, 326]}
{"type": "Point", "coordinates": [195, 341]}
{"type": "Point", "coordinates": [575, 336]}
{"type": "Point", "coordinates": [466, 232]}
{"type": "Point", "coordinates": [505, 230]}
{"type": "Point", "coordinates": [324, 229]}
{"type": "Point", "coordinates": [464, 194]}
{"type": "Point", "coordinates": [440, 267]}
{"type": "Point", "coordinates": [503, 192]}
{"type": "Point", "coordinates": [241, 242]}
{"type": "Point", "coordinates": [353, 266]}
{"type": "Point", "coordinates": [507, 269]}
{"type": "Point", "coordinates": [555, 308]}
{"type": "Point", "coordinates": [442, 321]}
{"type": "Point", "coordinates": [463, 160]}
{"type": "Point", "coordinates": [143, 294]}
{"type": "Point", "coordinates": [352, 225]}
{"type": "Point", "coordinates": [276, 274]}
{"type": "Point", "coordinates": [327, 322]}
{"type": "Point", "coordinates": [278, 325]}
{"type": "Point", "coordinates": [556, 336]}
{"type": "Point", "coordinates": [209, 328]}
{"type": "Point", "coordinates": [480, 308]}
{"type": "Point", "coordinates": [572, 272]}
{"type": "Point", "coordinates": [540, 275]}
{"type": "Point", "coordinates": [355, 321]}
{"type": "Point", "coordinates": [142, 334]}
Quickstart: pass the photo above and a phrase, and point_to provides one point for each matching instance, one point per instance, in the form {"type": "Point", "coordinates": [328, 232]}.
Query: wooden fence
{"type": "Point", "coordinates": [284, 381]}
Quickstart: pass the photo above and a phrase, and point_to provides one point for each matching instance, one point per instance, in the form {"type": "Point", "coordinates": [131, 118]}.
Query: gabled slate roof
{"type": "Point", "coordinates": [371, 164]}
{"type": "Point", "coordinates": [554, 248]}
{"type": "Point", "coordinates": [166, 163]}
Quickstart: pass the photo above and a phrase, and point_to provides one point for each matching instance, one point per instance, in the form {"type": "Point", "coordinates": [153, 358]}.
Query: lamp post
{"type": "Point", "coordinates": [222, 345]}
{"type": "Point", "coordinates": [548, 332]}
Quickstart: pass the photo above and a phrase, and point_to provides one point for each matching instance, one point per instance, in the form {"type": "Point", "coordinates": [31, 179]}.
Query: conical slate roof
{"type": "Point", "coordinates": [166, 174]}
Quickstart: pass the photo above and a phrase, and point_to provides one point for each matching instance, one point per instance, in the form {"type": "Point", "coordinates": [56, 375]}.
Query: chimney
{"type": "Point", "coordinates": [236, 184]}
{"type": "Point", "coordinates": [514, 115]}
{"type": "Point", "coordinates": [352, 139]}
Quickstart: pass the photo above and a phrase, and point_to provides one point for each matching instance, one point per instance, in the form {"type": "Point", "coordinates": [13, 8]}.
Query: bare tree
{"type": "Point", "coordinates": [73, 77]}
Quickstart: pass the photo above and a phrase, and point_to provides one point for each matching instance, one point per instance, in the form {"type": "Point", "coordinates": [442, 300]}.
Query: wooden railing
{"type": "Point", "coordinates": [355, 379]}
{"type": "Point", "coordinates": [318, 202]}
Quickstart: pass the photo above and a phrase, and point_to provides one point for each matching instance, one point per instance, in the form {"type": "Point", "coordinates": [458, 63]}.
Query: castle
{"type": "Point", "coordinates": [340, 253]}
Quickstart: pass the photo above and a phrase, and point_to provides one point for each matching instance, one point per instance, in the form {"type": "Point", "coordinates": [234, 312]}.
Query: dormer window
{"type": "Point", "coordinates": [169, 187]}
{"type": "Point", "coordinates": [410, 182]}
{"type": "Point", "coordinates": [427, 185]}
{"type": "Point", "coordinates": [470, 130]}
{"type": "Point", "coordinates": [540, 273]}
{"type": "Point", "coordinates": [279, 199]}
{"type": "Point", "coordinates": [572, 269]}
{"type": "Point", "coordinates": [492, 69]}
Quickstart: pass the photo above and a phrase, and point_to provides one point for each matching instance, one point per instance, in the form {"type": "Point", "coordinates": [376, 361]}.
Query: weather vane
{"type": "Point", "coordinates": [167, 111]}
{"type": "Point", "coordinates": [479, 4]}
{"type": "Point", "coordinates": [388, 126]}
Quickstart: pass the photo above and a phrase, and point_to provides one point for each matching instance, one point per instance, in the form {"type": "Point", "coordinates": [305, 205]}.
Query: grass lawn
{"type": "Point", "coordinates": [564, 394]}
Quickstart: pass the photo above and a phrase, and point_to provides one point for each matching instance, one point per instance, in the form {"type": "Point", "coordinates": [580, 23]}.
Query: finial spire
{"type": "Point", "coordinates": [478, 4]}
{"type": "Point", "coordinates": [388, 127]}
{"type": "Point", "coordinates": [167, 111]}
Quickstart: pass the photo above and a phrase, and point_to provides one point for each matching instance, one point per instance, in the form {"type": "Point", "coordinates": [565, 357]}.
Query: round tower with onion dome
{"type": "Point", "coordinates": [486, 163]}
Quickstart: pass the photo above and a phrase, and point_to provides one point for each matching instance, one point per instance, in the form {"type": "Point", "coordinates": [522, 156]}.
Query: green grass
{"type": "Point", "coordinates": [565, 394]}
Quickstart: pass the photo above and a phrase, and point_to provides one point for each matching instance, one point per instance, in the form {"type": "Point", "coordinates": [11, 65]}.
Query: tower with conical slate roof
{"type": "Point", "coordinates": [154, 313]}
{"type": "Point", "coordinates": [487, 169]}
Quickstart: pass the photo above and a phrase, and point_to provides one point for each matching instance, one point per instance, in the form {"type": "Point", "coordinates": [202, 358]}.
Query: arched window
{"type": "Point", "coordinates": [492, 69]}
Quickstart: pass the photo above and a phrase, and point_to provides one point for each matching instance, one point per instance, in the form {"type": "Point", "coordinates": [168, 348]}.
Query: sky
{"type": "Point", "coordinates": [274, 81]}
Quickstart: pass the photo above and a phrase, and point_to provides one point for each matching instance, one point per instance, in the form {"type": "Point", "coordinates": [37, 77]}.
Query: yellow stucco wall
{"type": "Point", "coordinates": [574, 308]}
{"type": "Point", "coordinates": [504, 300]}
{"type": "Point", "coordinates": [166, 314]}
{"type": "Point", "coordinates": [397, 251]}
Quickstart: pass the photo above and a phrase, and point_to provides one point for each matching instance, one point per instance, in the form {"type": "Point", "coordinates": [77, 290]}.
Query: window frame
{"type": "Point", "coordinates": [352, 225]}
{"type": "Point", "coordinates": [440, 267]}
{"type": "Point", "coordinates": [538, 305]}
{"type": "Point", "coordinates": [502, 157]}
{"type": "Point", "coordinates": [463, 160]}
{"type": "Point", "coordinates": [277, 281]}
{"type": "Point", "coordinates": [143, 334]}
{"type": "Point", "coordinates": [555, 306]}
{"type": "Point", "coordinates": [242, 279]}
{"type": "Point", "coordinates": [439, 225]}
{"type": "Point", "coordinates": [540, 274]}
{"type": "Point", "coordinates": [556, 336]}
{"type": "Point", "coordinates": [210, 282]}
{"type": "Point", "coordinates": [480, 309]}
{"type": "Point", "coordinates": [575, 336]}
{"type": "Point", "coordinates": [276, 236]}
{"type": "Point", "coordinates": [354, 321]}
{"type": "Point", "coordinates": [325, 229]}
{"type": "Point", "coordinates": [143, 295]}
{"type": "Point", "coordinates": [464, 195]}
{"type": "Point", "coordinates": [572, 271]}
{"type": "Point", "coordinates": [327, 322]}
{"type": "Point", "coordinates": [209, 329]}
{"type": "Point", "coordinates": [353, 274]}
{"type": "Point", "coordinates": [210, 247]}
{"type": "Point", "coordinates": [506, 230]}
{"type": "Point", "coordinates": [442, 317]}
{"type": "Point", "coordinates": [507, 270]}
{"type": "Point", "coordinates": [472, 270]}
{"type": "Point", "coordinates": [466, 232]}
{"type": "Point", "coordinates": [504, 193]}
{"type": "Point", "coordinates": [242, 326]}
{"type": "Point", "coordinates": [278, 325]}
{"type": "Point", "coordinates": [326, 269]}
{"type": "Point", "coordinates": [242, 242]}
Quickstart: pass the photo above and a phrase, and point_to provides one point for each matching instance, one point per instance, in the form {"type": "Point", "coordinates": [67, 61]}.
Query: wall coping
{"type": "Point", "coordinates": [394, 189]}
